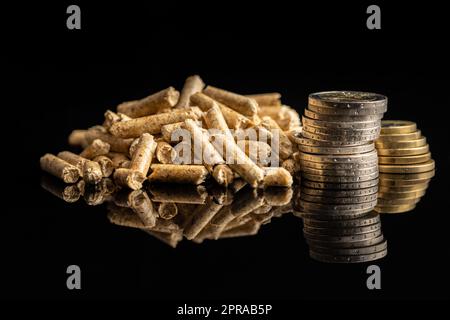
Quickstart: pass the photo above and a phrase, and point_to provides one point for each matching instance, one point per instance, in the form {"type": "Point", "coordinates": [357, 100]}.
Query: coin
{"type": "Point", "coordinates": [355, 140]}
{"type": "Point", "coordinates": [340, 150]}
{"type": "Point", "coordinates": [326, 117]}
{"type": "Point", "coordinates": [348, 112]}
{"type": "Point", "coordinates": [341, 200]}
{"type": "Point", "coordinates": [404, 152]}
{"type": "Point", "coordinates": [340, 124]}
{"type": "Point", "coordinates": [348, 259]}
{"type": "Point", "coordinates": [337, 166]}
{"type": "Point", "coordinates": [347, 99]}
{"type": "Point", "coordinates": [341, 172]}
{"type": "Point", "coordinates": [402, 195]}
{"type": "Point", "coordinates": [343, 245]}
{"type": "Point", "coordinates": [343, 132]}
{"type": "Point", "coordinates": [367, 219]}
{"type": "Point", "coordinates": [398, 201]}
{"type": "Point", "coordinates": [339, 179]}
{"type": "Point", "coordinates": [313, 214]}
{"type": "Point", "coordinates": [344, 186]}
{"type": "Point", "coordinates": [404, 144]}
{"type": "Point", "coordinates": [338, 208]}
{"type": "Point", "coordinates": [405, 159]}
{"type": "Point", "coordinates": [395, 208]}
{"type": "Point", "coordinates": [397, 126]}
{"type": "Point", "coordinates": [407, 168]}
{"type": "Point", "coordinates": [342, 231]}
{"type": "Point", "coordinates": [352, 251]}
{"type": "Point", "coordinates": [342, 238]}
{"type": "Point", "coordinates": [400, 136]}
{"type": "Point", "coordinates": [339, 193]}
{"type": "Point", "coordinates": [362, 157]}
{"type": "Point", "coordinates": [407, 176]}
{"type": "Point", "coordinates": [400, 189]}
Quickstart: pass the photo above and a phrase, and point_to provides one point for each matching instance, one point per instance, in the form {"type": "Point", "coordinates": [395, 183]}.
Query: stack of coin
{"type": "Point", "coordinates": [405, 166]}
{"type": "Point", "coordinates": [339, 176]}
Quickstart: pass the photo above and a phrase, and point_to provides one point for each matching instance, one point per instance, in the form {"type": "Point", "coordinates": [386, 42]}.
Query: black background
{"type": "Point", "coordinates": [58, 80]}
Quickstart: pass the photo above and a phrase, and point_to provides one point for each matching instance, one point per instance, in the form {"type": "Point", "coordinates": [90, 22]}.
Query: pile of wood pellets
{"type": "Point", "coordinates": [138, 142]}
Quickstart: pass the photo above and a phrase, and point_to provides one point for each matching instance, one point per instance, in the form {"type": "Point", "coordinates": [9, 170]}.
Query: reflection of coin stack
{"type": "Point", "coordinates": [339, 173]}
{"type": "Point", "coordinates": [405, 166]}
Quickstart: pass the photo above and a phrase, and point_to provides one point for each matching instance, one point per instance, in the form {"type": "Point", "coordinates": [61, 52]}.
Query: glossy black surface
{"type": "Point", "coordinates": [58, 81]}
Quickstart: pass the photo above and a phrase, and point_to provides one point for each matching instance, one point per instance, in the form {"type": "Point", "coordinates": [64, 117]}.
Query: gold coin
{"type": "Point", "coordinates": [402, 195]}
{"type": "Point", "coordinates": [407, 168]}
{"type": "Point", "coordinates": [395, 208]}
{"type": "Point", "coordinates": [397, 126]}
{"type": "Point", "coordinates": [400, 189]}
{"type": "Point", "coordinates": [404, 152]}
{"type": "Point", "coordinates": [401, 144]}
{"type": "Point", "coordinates": [407, 176]}
{"type": "Point", "coordinates": [400, 136]}
{"type": "Point", "coordinates": [343, 119]}
{"type": "Point", "coordinates": [405, 159]}
{"type": "Point", "coordinates": [391, 202]}
{"type": "Point", "coordinates": [340, 124]}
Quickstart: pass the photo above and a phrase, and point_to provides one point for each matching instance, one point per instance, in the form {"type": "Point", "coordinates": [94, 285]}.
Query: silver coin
{"type": "Point", "coordinates": [341, 238]}
{"type": "Point", "coordinates": [348, 259]}
{"type": "Point", "coordinates": [352, 133]}
{"type": "Point", "coordinates": [339, 193]}
{"type": "Point", "coordinates": [351, 251]}
{"type": "Point", "coordinates": [342, 231]}
{"type": "Point", "coordinates": [347, 140]}
{"type": "Point", "coordinates": [337, 166]}
{"type": "Point", "coordinates": [337, 208]}
{"type": "Point", "coordinates": [347, 99]}
{"type": "Point", "coordinates": [341, 172]}
{"type": "Point", "coordinates": [322, 221]}
{"type": "Point", "coordinates": [326, 117]}
{"type": "Point", "coordinates": [341, 200]}
{"type": "Point", "coordinates": [340, 124]}
{"type": "Point", "coordinates": [339, 179]}
{"type": "Point", "coordinates": [339, 186]}
{"type": "Point", "coordinates": [362, 157]}
{"type": "Point", "coordinates": [348, 112]}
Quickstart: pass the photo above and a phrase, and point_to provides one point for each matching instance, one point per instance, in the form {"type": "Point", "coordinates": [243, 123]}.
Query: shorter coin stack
{"type": "Point", "coordinates": [339, 176]}
{"type": "Point", "coordinates": [405, 165]}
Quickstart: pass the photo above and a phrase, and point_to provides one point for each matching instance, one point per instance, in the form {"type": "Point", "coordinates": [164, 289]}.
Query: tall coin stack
{"type": "Point", "coordinates": [339, 176]}
{"type": "Point", "coordinates": [405, 166]}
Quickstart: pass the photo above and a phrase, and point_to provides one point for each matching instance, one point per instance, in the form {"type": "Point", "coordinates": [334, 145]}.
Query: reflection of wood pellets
{"type": "Point", "coordinates": [89, 170]}
{"type": "Point", "coordinates": [69, 193]}
{"type": "Point", "coordinates": [164, 99]}
{"type": "Point", "coordinates": [59, 168]}
{"type": "Point", "coordinates": [152, 124]}
{"type": "Point", "coordinates": [241, 104]}
{"type": "Point", "coordinates": [142, 205]}
{"type": "Point", "coordinates": [167, 210]}
{"type": "Point", "coordinates": [278, 196]}
{"type": "Point", "coordinates": [246, 201]}
{"type": "Point", "coordinates": [200, 218]}
{"type": "Point", "coordinates": [193, 84]}
{"type": "Point", "coordinates": [248, 229]}
{"type": "Point", "coordinates": [278, 177]}
{"type": "Point", "coordinates": [165, 153]}
{"type": "Point", "coordinates": [173, 173]}
{"type": "Point", "coordinates": [266, 99]}
{"type": "Point", "coordinates": [96, 148]}
{"type": "Point", "coordinates": [222, 174]}
{"type": "Point", "coordinates": [170, 239]}
{"type": "Point", "coordinates": [178, 194]}
{"type": "Point", "coordinates": [96, 194]}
